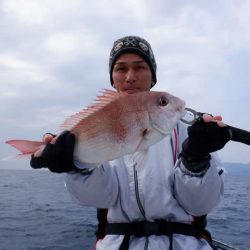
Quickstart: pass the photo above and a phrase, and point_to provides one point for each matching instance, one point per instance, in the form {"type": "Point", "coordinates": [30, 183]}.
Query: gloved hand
{"type": "Point", "coordinates": [57, 157]}
{"type": "Point", "coordinates": [204, 137]}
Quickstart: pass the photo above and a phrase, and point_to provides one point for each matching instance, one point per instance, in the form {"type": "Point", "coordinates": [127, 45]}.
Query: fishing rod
{"type": "Point", "coordinates": [237, 134]}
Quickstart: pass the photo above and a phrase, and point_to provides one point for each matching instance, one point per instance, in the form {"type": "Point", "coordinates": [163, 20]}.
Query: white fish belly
{"type": "Point", "coordinates": [105, 149]}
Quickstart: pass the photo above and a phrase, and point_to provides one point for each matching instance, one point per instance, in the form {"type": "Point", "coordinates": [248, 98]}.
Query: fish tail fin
{"type": "Point", "coordinates": [25, 147]}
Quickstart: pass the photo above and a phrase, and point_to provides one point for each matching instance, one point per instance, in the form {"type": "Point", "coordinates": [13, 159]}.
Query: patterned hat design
{"type": "Point", "coordinates": [136, 45]}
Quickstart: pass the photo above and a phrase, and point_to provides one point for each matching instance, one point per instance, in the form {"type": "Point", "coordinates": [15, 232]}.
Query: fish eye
{"type": "Point", "coordinates": [163, 101]}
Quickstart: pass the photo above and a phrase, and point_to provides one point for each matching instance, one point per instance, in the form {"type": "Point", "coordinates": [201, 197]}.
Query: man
{"type": "Point", "coordinates": [161, 205]}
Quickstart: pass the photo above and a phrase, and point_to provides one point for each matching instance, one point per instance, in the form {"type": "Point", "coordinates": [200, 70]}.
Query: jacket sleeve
{"type": "Point", "coordinates": [198, 193]}
{"type": "Point", "coordinates": [97, 187]}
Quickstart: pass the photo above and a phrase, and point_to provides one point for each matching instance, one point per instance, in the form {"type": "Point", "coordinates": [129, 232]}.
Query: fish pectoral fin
{"type": "Point", "coordinates": [145, 132]}
{"type": "Point", "coordinates": [143, 139]}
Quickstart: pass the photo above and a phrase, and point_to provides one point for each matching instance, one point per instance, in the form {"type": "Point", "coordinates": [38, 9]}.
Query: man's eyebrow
{"type": "Point", "coordinates": [119, 62]}
{"type": "Point", "coordinates": [140, 61]}
{"type": "Point", "coordinates": [134, 62]}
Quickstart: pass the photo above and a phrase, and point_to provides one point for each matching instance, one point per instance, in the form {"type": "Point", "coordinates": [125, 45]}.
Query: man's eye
{"type": "Point", "coordinates": [120, 69]}
{"type": "Point", "coordinates": [140, 67]}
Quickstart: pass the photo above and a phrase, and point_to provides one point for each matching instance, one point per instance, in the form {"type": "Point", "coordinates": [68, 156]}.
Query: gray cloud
{"type": "Point", "coordinates": [54, 59]}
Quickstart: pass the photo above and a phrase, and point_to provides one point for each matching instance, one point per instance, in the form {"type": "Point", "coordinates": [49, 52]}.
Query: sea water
{"type": "Point", "coordinates": [36, 212]}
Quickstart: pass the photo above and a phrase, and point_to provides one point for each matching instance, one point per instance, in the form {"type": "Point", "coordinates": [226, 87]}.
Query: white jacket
{"type": "Point", "coordinates": [154, 189]}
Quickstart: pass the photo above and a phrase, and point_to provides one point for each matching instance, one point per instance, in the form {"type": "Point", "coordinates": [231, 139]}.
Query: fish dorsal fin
{"type": "Point", "coordinates": [107, 96]}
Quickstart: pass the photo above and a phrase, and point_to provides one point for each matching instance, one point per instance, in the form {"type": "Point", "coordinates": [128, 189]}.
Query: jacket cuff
{"type": "Point", "coordinates": [196, 164]}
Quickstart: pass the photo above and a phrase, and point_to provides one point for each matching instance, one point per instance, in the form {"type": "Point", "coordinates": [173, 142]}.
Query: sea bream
{"type": "Point", "coordinates": [117, 124]}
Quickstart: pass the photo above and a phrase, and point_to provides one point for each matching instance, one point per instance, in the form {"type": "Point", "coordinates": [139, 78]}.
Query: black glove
{"type": "Point", "coordinates": [57, 157]}
{"type": "Point", "coordinates": [203, 138]}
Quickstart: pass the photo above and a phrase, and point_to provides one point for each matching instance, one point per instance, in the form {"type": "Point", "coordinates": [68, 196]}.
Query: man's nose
{"type": "Point", "coordinates": [130, 76]}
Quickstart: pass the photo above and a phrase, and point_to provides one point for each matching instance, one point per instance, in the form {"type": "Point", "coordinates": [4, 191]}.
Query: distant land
{"type": "Point", "coordinates": [237, 168]}
{"type": "Point", "coordinates": [232, 168]}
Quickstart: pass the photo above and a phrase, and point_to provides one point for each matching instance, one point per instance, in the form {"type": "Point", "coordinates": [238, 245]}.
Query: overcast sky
{"type": "Point", "coordinates": [54, 60]}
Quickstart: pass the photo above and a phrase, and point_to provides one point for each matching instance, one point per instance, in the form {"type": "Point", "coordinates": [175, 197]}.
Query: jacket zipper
{"type": "Point", "coordinates": [137, 193]}
{"type": "Point", "coordinates": [139, 201]}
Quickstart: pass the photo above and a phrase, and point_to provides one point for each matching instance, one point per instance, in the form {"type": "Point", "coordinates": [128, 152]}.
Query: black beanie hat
{"type": "Point", "coordinates": [136, 45]}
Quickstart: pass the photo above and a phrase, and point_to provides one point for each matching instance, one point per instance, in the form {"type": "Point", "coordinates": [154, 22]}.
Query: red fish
{"type": "Point", "coordinates": [117, 124]}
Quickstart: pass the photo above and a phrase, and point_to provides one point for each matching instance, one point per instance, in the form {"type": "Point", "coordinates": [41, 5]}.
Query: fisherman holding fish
{"type": "Point", "coordinates": [164, 178]}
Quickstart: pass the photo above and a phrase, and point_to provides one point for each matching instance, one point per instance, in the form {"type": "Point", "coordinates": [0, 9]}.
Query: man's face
{"type": "Point", "coordinates": [131, 74]}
